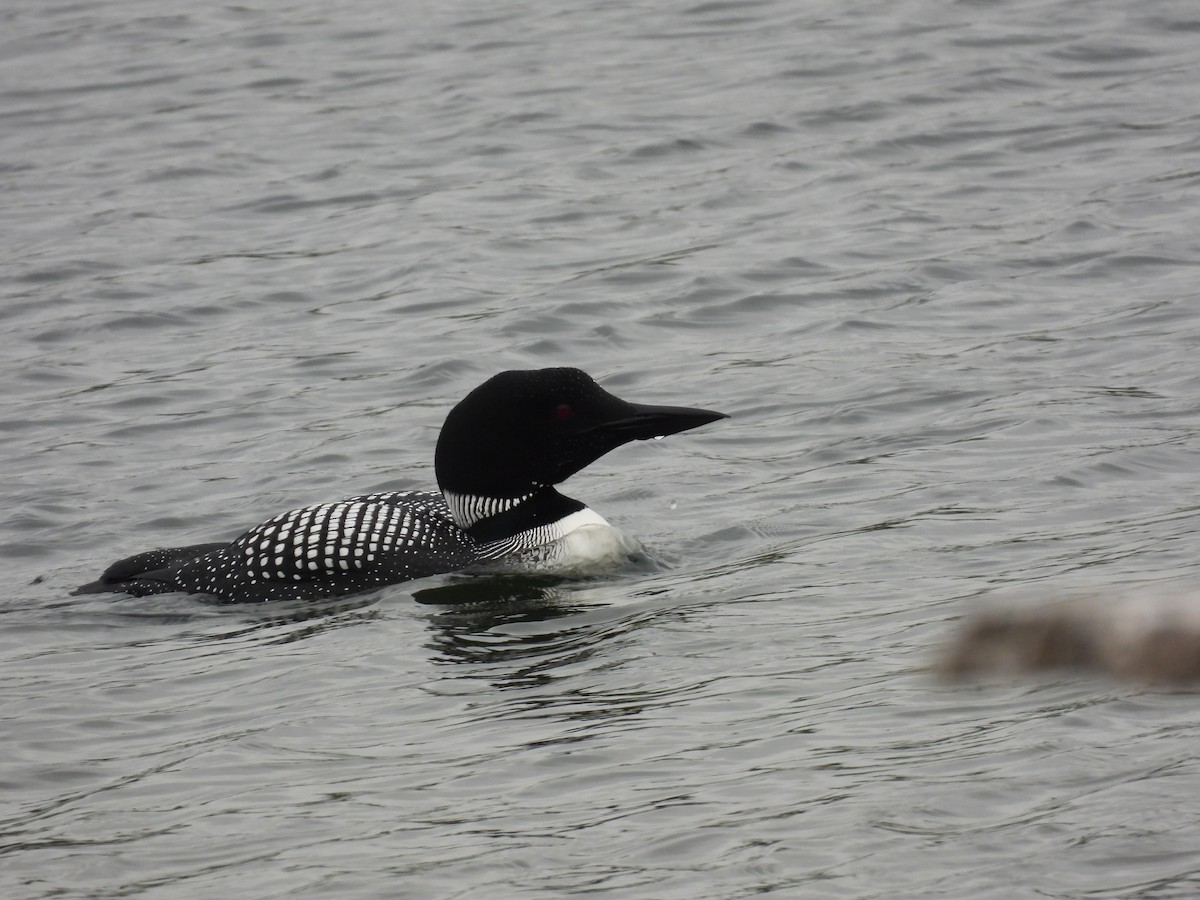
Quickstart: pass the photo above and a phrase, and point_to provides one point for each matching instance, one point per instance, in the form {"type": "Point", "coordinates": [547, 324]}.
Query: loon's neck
{"type": "Point", "coordinates": [495, 518]}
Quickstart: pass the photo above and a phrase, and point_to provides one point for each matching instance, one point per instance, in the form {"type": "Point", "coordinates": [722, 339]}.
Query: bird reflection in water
{"type": "Point", "coordinates": [547, 620]}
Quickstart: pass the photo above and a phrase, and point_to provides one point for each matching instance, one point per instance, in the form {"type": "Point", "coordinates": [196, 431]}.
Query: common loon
{"type": "Point", "coordinates": [500, 453]}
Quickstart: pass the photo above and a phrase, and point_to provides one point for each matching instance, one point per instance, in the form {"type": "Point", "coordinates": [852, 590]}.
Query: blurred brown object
{"type": "Point", "coordinates": [1149, 636]}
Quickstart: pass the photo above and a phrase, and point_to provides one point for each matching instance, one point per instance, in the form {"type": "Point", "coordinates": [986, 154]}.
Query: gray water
{"type": "Point", "coordinates": [938, 260]}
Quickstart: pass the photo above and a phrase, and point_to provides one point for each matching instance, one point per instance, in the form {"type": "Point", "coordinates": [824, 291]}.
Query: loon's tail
{"type": "Point", "coordinates": [146, 573]}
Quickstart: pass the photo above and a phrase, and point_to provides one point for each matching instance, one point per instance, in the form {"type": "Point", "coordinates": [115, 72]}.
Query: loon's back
{"type": "Point", "coordinates": [499, 454]}
{"type": "Point", "coordinates": [317, 551]}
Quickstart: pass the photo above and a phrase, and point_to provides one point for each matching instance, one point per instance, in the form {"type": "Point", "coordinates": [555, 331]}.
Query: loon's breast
{"type": "Point", "coordinates": [581, 543]}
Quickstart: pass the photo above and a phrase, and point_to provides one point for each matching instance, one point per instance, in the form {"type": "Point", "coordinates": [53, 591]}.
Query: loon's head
{"type": "Point", "coordinates": [527, 429]}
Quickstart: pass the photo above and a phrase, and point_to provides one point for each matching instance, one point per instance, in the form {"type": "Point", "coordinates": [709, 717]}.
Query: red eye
{"type": "Point", "coordinates": [563, 411]}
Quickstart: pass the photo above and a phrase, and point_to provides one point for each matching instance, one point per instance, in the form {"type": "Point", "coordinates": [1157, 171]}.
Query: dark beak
{"type": "Point", "coordinates": [640, 422]}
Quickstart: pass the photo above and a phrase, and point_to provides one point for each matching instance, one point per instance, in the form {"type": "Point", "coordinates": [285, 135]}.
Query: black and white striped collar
{"type": "Point", "coordinates": [468, 509]}
{"type": "Point", "coordinates": [496, 518]}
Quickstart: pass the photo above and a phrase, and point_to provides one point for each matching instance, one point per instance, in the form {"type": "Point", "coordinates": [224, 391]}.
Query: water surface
{"type": "Point", "coordinates": [938, 260]}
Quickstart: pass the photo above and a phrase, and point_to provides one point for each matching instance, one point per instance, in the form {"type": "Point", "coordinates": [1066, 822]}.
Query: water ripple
{"type": "Point", "coordinates": [937, 260]}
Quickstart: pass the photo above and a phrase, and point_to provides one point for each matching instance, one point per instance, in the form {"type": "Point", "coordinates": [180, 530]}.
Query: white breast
{"type": "Point", "coordinates": [582, 543]}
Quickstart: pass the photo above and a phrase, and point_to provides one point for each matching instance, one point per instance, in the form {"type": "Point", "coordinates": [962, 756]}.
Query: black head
{"type": "Point", "coordinates": [521, 430]}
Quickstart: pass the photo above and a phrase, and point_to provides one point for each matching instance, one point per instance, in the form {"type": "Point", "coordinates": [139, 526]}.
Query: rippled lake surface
{"type": "Point", "coordinates": [938, 260]}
